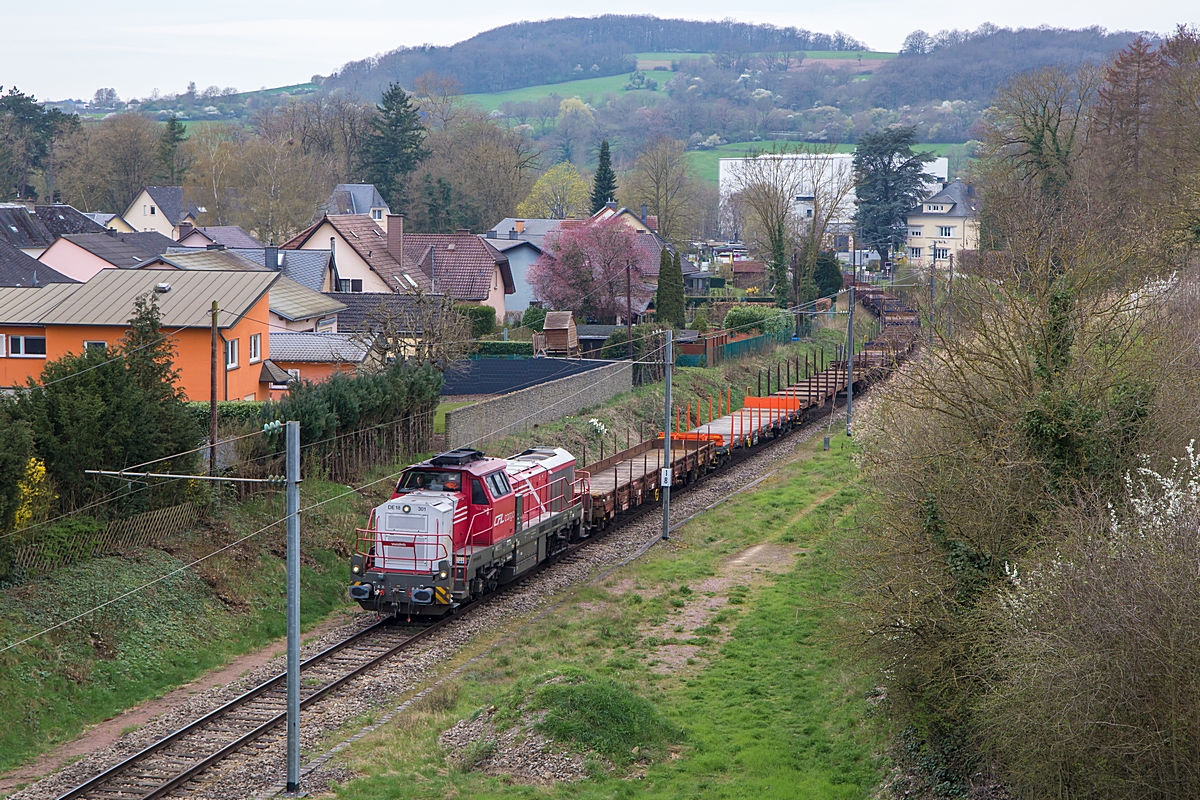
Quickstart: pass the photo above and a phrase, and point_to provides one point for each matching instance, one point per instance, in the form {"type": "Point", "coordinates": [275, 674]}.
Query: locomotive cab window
{"type": "Point", "coordinates": [498, 483]}
{"type": "Point", "coordinates": [477, 496]}
{"type": "Point", "coordinates": [430, 480]}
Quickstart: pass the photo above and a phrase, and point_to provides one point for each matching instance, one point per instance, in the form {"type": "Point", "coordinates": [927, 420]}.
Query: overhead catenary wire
{"type": "Point", "coordinates": [241, 540]}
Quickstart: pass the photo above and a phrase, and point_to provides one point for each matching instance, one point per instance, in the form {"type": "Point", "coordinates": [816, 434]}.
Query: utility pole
{"type": "Point", "coordinates": [293, 607]}
{"type": "Point", "coordinates": [212, 399]}
{"type": "Point", "coordinates": [850, 362]}
{"type": "Point", "coordinates": [950, 299]}
{"type": "Point", "coordinates": [666, 471]}
{"type": "Point", "coordinates": [629, 311]}
{"type": "Point", "coordinates": [931, 305]}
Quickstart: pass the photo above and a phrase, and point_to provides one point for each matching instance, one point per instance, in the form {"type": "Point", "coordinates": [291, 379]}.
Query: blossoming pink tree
{"type": "Point", "coordinates": [582, 269]}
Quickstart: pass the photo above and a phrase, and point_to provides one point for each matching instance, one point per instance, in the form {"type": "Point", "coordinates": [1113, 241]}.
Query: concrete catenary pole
{"type": "Point", "coordinates": [850, 362]}
{"type": "Point", "coordinates": [212, 399]}
{"type": "Point", "coordinates": [293, 607]}
{"type": "Point", "coordinates": [666, 477]}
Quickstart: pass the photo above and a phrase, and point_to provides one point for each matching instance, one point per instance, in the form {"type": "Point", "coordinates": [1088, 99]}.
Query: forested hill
{"type": "Point", "coordinates": [949, 65]}
{"type": "Point", "coordinates": [971, 65]}
{"type": "Point", "coordinates": [553, 51]}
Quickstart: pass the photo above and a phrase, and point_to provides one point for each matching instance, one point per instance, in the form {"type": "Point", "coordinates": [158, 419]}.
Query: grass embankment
{"type": "Point", "coordinates": [725, 634]}
{"type": "Point", "coordinates": [167, 634]}
{"type": "Point", "coordinates": [637, 415]}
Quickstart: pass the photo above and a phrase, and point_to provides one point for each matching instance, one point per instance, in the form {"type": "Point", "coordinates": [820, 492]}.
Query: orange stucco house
{"type": "Point", "coordinates": [41, 324]}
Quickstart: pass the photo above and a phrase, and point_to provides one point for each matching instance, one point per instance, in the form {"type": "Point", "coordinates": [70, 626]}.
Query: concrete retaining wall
{"type": "Point", "coordinates": [482, 422]}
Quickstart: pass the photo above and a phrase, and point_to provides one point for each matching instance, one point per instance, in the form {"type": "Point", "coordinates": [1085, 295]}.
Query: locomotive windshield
{"type": "Point", "coordinates": [430, 480]}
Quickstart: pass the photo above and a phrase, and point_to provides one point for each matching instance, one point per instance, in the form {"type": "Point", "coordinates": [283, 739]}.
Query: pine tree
{"type": "Point", "coordinates": [393, 147]}
{"type": "Point", "coordinates": [604, 187]}
{"type": "Point", "coordinates": [669, 302]}
{"type": "Point", "coordinates": [173, 135]}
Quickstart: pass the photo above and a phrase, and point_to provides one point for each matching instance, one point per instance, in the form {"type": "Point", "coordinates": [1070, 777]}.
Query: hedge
{"type": "Point", "coordinates": [744, 318]}
{"type": "Point", "coordinates": [248, 411]}
{"type": "Point", "coordinates": [504, 349]}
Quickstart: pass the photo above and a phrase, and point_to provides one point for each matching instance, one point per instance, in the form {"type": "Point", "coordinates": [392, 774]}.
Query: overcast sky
{"type": "Point", "coordinates": [69, 48]}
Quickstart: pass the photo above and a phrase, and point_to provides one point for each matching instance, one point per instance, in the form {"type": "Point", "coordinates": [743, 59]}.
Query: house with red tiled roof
{"type": "Point", "coordinates": [369, 258]}
{"type": "Point", "coordinates": [464, 265]}
{"type": "Point", "coordinates": [366, 258]}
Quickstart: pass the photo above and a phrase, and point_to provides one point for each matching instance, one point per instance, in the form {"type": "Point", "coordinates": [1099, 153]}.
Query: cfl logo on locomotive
{"type": "Point", "coordinates": [503, 518]}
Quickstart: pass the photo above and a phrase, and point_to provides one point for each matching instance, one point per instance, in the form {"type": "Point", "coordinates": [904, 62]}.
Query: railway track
{"type": "Point", "coordinates": [180, 757]}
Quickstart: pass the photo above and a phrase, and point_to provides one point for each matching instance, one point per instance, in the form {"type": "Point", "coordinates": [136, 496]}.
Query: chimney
{"type": "Point", "coordinates": [271, 257]}
{"type": "Point", "coordinates": [643, 212]}
{"type": "Point", "coordinates": [611, 204]}
{"type": "Point", "coordinates": [512, 233]}
{"type": "Point", "coordinates": [395, 237]}
{"type": "Point", "coordinates": [185, 230]}
{"type": "Point", "coordinates": [519, 226]}
{"type": "Point", "coordinates": [214, 247]}
{"type": "Point", "coordinates": [491, 234]}
{"type": "Point", "coordinates": [463, 230]}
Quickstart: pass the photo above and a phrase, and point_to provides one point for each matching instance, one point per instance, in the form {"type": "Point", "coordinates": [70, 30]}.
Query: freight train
{"type": "Point", "coordinates": [461, 524]}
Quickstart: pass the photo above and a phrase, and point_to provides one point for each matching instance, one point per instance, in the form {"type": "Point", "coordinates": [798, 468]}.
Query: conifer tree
{"type": "Point", "coordinates": [669, 302]}
{"type": "Point", "coordinates": [604, 187]}
{"type": "Point", "coordinates": [173, 134]}
{"type": "Point", "coordinates": [394, 145]}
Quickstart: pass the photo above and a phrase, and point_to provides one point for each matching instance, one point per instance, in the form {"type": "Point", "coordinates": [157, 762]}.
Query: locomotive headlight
{"type": "Point", "coordinates": [355, 569]}
{"type": "Point", "coordinates": [443, 570]}
{"type": "Point", "coordinates": [407, 509]}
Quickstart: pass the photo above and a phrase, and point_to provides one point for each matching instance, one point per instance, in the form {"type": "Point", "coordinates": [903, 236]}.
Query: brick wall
{"type": "Point", "coordinates": [477, 424]}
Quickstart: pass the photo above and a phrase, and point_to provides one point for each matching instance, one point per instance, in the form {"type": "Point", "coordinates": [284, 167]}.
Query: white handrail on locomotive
{"type": "Point", "coordinates": [371, 537]}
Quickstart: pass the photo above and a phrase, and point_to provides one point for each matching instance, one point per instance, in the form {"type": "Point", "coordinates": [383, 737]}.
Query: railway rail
{"type": "Point", "coordinates": [623, 489]}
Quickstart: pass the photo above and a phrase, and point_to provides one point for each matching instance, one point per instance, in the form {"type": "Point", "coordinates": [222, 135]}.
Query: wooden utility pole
{"type": "Point", "coordinates": [212, 399]}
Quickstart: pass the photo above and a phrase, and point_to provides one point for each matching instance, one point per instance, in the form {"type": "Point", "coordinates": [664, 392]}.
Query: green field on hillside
{"type": "Point", "coordinates": [583, 89]}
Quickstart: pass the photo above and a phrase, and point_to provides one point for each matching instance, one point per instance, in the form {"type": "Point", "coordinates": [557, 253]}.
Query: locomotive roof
{"type": "Point", "coordinates": [481, 465]}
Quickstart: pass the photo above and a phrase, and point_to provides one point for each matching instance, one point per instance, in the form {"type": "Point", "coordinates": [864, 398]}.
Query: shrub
{"type": "Point", "coordinates": [534, 317]}
{"type": "Point", "coordinates": [752, 317]}
{"type": "Point", "coordinates": [483, 319]}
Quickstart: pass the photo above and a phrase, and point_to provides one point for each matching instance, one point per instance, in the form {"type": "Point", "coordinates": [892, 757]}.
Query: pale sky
{"type": "Point", "coordinates": [72, 47]}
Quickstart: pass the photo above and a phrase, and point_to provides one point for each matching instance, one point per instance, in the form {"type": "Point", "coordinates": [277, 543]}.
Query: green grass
{"type": "Point", "coordinates": [439, 416]}
{"type": "Point", "coordinates": [867, 55]}
{"type": "Point", "coordinates": [706, 162]}
{"type": "Point", "coordinates": [585, 89]}
{"type": "Point", "coordinates": [767, 708]}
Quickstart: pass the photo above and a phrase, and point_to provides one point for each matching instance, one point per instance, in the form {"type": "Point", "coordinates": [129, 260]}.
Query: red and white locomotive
{"type": "Point", "coordinates": [461, 523]}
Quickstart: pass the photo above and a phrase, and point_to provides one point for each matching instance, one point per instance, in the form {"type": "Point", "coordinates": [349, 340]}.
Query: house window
{"type": "Point", "coordinates": [94, 344]}
{"type": "Point", "coordinates": [941, 253]}
{"type": "Point", "coordinates": [145, 210]}
{"type": "Point", "coordinates": [27, 346]}
{"type": "Point", "coordinates": [295, 373]}
{"type": "Point", "coordinates": [152, 211]}
{"type": "Point", "coordinates": [350, 285]}
{"type": "Point", "coordinates": [914, 233]}
{"type": "Point", "coordinates": [3, 349]}
{"type": "Point", "coordinates": [946, 231]}
{"type": "Point", "coordinates": [376, 214]}
{"type": "Point", "coordinates": [249, 397]}
{"type": "Point", "coordinates": [914, 252]}
{"type": "Point", "coordinates": [255, 348]}
{"type": "Point", "coordinates": [933, 208]}
{"type": "Point", "coordinates": [231, 354]}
